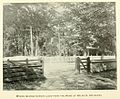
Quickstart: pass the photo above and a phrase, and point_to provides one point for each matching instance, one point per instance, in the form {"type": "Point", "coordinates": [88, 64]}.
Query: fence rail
{"type": "Point", "coordinates": [71, 59]}
{"type": "Point", "coordinates": [16, 70]}
{"type": "Point", "coordinates": [105, 64]}
{"type": "Point", "coordinates": [37, 63]}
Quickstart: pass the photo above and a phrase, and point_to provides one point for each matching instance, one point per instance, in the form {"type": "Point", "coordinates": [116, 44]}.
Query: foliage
{"type": "Point", "coordinates": [75, 25]}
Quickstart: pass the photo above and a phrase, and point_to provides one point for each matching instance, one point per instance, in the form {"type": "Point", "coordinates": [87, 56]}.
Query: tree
{"type": "Point", "coordinates": [95, 24]}
{"type": "Point", "coordinates": [75, 25]}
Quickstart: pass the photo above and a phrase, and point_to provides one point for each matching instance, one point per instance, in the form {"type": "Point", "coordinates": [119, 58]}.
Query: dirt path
{"type": "Point", "coordinates": [69, 80]}
{"type": "Point", "coordinates": [63, 77]}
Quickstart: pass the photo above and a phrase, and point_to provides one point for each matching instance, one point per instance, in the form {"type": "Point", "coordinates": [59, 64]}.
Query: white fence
{"type": "Point", "coordinates": [71, 59]}
{"type": "Point", "coordinates": [58, 59]}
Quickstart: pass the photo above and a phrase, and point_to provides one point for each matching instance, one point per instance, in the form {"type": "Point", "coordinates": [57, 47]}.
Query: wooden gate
{"type": "Point", "coordinates": [87, 63]}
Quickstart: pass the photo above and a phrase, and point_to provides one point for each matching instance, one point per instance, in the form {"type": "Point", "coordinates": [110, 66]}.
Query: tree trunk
{"type": "Point", "coordinates": [36, 46]}
{"type": "Point", "coordinates": [31, 39]}
{"type": "Point", "coordinates": [23, 48]}
{"type": "Point", "coordinates": [17, 49]}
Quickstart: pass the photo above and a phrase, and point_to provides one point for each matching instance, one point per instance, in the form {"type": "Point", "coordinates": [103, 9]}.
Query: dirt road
{"type": "Point", "coordinates": [62, 76]}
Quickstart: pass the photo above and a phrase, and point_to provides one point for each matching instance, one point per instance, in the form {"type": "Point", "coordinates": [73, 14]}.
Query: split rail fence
{"type": "Point", "coordinates": [97, 65]}
{"type": "Point", "coordinates": [91, 63]}
{"type": "Point", "coordinates": [31, 68]}
{"type": "Point", "coordinates": [17, 70]}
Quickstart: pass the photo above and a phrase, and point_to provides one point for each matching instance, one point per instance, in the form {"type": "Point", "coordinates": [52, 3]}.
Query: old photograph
{"type": "Point", "coordinates": [59, 46]}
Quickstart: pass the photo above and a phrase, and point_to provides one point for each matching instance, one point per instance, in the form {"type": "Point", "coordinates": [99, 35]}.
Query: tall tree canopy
{"type": "Point", "coordinates": [71, 26]}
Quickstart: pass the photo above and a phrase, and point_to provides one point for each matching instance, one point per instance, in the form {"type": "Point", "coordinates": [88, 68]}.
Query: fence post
{"type": "Point", "coordinates": [9, 74]}
{"type": "Point", "coordinates": [41, 62]}
{"type": "Point", "coordinates": [77, 64]}
{"type": "Point", "coordinates": [27, 69]}
{"type": "Point", "coordinates": [88, 65]}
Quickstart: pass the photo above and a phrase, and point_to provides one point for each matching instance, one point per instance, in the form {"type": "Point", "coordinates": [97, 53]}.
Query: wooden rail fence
{"type": "Point", "coordinates": [16, 70]}
{"type": "Point", "coordinates": [29, 69]}
{"type": "Point", "coordinates": [90, 64]}
{"type": "Point", "coordinates": [71, 59]}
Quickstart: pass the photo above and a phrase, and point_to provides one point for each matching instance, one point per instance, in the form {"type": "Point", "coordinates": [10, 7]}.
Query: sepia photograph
{"type": "Point", "coordinates": [59, 46]}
